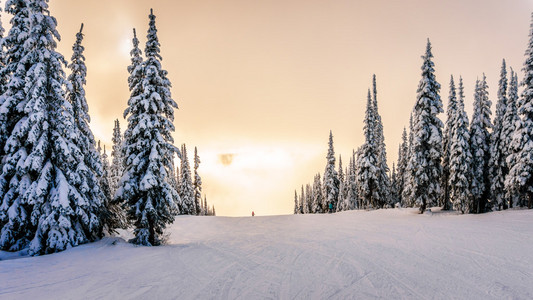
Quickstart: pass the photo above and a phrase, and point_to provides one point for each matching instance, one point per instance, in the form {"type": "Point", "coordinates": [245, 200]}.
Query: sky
{"type": "Point", "coordinates": [260, 84]}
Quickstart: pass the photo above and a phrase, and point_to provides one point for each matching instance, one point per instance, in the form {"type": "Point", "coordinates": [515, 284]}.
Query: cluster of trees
{"type": "Point", "coordinates": [469, 166]}
{"type": "Point", "coordinates": [57, 189]}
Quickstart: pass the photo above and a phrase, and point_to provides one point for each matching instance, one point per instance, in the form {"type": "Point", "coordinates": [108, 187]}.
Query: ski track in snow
{"type": "Point", "coordinates": [387, 254]}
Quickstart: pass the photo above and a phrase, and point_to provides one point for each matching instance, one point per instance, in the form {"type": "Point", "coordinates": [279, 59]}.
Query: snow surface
{"type": "Point", "coordinates": [390, 254]}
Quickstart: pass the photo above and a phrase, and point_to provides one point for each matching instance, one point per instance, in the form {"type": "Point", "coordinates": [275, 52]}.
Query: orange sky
{"type": "Point", "coordinates": [265, 81]}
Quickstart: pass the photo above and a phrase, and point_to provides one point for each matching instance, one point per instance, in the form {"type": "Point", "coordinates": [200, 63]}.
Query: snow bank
{"type": "Point", "coordinates": [391, 254]}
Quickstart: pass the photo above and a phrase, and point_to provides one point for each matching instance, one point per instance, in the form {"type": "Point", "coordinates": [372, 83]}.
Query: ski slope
{"type": "Point", "coordinates": [389, 254]}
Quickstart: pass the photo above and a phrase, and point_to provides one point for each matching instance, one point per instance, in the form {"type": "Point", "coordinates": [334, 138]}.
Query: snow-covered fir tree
{"type": "Point", "coordinates": [309, 198]}
{"type": "Point", "coordinates": [13, 96]}
{"type": "Point", "coordinates": [480, 143]}
{"type": "Point", "coordinates": [384, 183]}
{"type": "Point", "coordinates": [408, 179]}
{"type": "Point", "coordinates": [352, 190]}
{"type": "Point", "coordinates": [104, 177]}
{"type": "Point", "coordinates": [342, 189]}
{"type": "Point", "coordinates": [426, 167]}
{"type": "Point", "coordinates": [509, 125]}
{"type": "Point", "coordinates": [148, 148]}
{"type": "Point", "coordinates": [46, 186]}
{"type": "Point", "coordinates": [117, 168]}
{"type": "Point", "coordinates": [367, 165]}
{"type": "Point", "coordinates": [498, 149]}
{"type": "Point", "coordinates": [460, 156]}
{"type": "Point", "coordinates": [446, 141]}
{"type": "Point", "coordinates": [186, 191]}
{"type": "Point", "coordinates": [520, 178]}
{"type": "Point", "coordinates": [331, 178]}
{"type": "Point", "coordinates": [402, 167]}
{"type": "Point", "coordinates": [3, 77]}
{"type": "Point", "coordinates": [317, 206]}
{"type": "Point", "coordinates": [296, 205]}
{"type": "Point", "coordinates": [197, 183]}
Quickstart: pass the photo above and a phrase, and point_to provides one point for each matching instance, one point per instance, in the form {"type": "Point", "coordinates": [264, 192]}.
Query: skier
{"type": "Point", "coordinates": [330, 207]}
{"type": "Point", "coordinates": [253, 214]}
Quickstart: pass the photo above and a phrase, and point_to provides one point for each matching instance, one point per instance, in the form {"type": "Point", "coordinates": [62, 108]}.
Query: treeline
{"type": "Point", "coordinates": [469, 166]}
{"type": "Point", "coordinates": [57, 189]}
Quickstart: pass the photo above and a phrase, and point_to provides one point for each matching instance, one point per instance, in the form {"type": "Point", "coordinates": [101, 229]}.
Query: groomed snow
{"type": "Point", "coordinates": [389, 254]}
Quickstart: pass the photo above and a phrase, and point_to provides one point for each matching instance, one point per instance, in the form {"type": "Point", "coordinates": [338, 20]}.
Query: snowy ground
{"type": "Point", "coordinates": [379, 254]}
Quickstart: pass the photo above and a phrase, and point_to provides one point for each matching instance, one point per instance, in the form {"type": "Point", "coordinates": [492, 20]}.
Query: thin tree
{"type": "Point", "coordinates": [331, 178]}
{"type": "Point", "coordinates": [511, 119]}
{"type": "Point", "coordinates": [446, 138]}
{"type": "Point", "coordinates": [497, 164]}
{"type": "Point", "coordinates": [197, 184]}
{"type": "Point", "coordinates": [460, 159]}
{"type": "Point", "coordinates": [480, 143]}
{"type": "Point", "coordinates": [186, 188]}
{"type": "Point", "coordinates": [367, 164]}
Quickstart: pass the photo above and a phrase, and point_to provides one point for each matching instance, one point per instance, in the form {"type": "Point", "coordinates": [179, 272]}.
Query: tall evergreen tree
{"type": "Point", "coordinates": [497, 151]}
{"type": "Point", "coordinates": [13, 98]}
{"type": "Point", "coordinates": [384, 183]}
{"type": "Point", "coordinates": [42, 156]}
{"type": "Point", "coordinates": [331, 179]}
{"type": "Point", "coordinates": [510, 121]}
{"type": "Point", "coordinates": [197, 184]}
{"type": "Point", "coordinates": [186, 190]}
{"type": "Point", "coordinates": [341, 195]}
{"type": "Point", "coordinates": [427, 137]}
{"type": "Point", "coordinates": [117, 167]}
{"type": "Point", "coordinates": [446, 138]}
{"type": "Point", "coordinates": [148, 147]}
{"type": "Point", "coordinates": [296, 208]}
{"type": "Point", "coordinates": [460, 157]}
{"type": "Point", "coordinates": [317, 195]}
{"type": "Point", "coordinates": [309, 198]}
{"type": "Point", "coordinates": [520, 179]}
{"type": "Point", "coordinates": [480, 142]}
{"type": "Point", "coordinates": [368, 169]}
{"type": "Point", "coordinates": [402, 167]}
{"type": "Point", "coordinates": [408, 181]}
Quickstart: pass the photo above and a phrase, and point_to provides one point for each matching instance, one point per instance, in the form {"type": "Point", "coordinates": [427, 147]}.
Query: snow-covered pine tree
{"type": "Point", "coordinates": [213, 212]}
{"type": "Point", "coordinates": [402, 167]}
{"type": "Point", "coordinates": [510, 123]}
{"type": "Point", "coordinates": [426, 167]}
{"type": "Point", "coordinates": [149, 149]}
{"type": "Point", "coordinates": [408, 180]}
{"type": "Point", "coordinates": [309, 198]}
{"type": "Point", "coordinates": [460, 157]}
{"type": "Point", "coordinates": [186, 189]}
{"type": "Point", "coordinates": [331, 178]}
{"type": "Point", "coordinates": [480, 142]}
{"type": "Point", "coordinates": [94, 169]}
{"type": "Point", "coordinates": [296, 208]}
{"type": "Point", "coordinates": [13, 97]}
{"type": "Point", "coordinates": [17, 232]}
{"type": "Point", "coordinates": [341, 195]}
{"type": "Point", "coordinates": [3, 78]}
{"type": "Point", "coordinates": [353, 202]}
{"type": "Point", "coordinates": [394, 187]}
{"type": "Point", "coordinates": [317, 195]}
{"type": "Point", "coordinates": [497, 164]}
{"type": "Point", "coordinates": [117, 168]}
{"type": "Point", "coordinates": [197, 184]}
{"type": "Point", "coordinates": [446, 141]}
{"type": "Point", "coordinates": [41, 154]}
{"type": "Point", "coordinates": [367, 165]}
{"type": "Point", "coordinates": [384, 182]}
{"type": "Point", "coordinates": [520, 179]}
{"type": "Point", "coordinates": [104, 178]}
